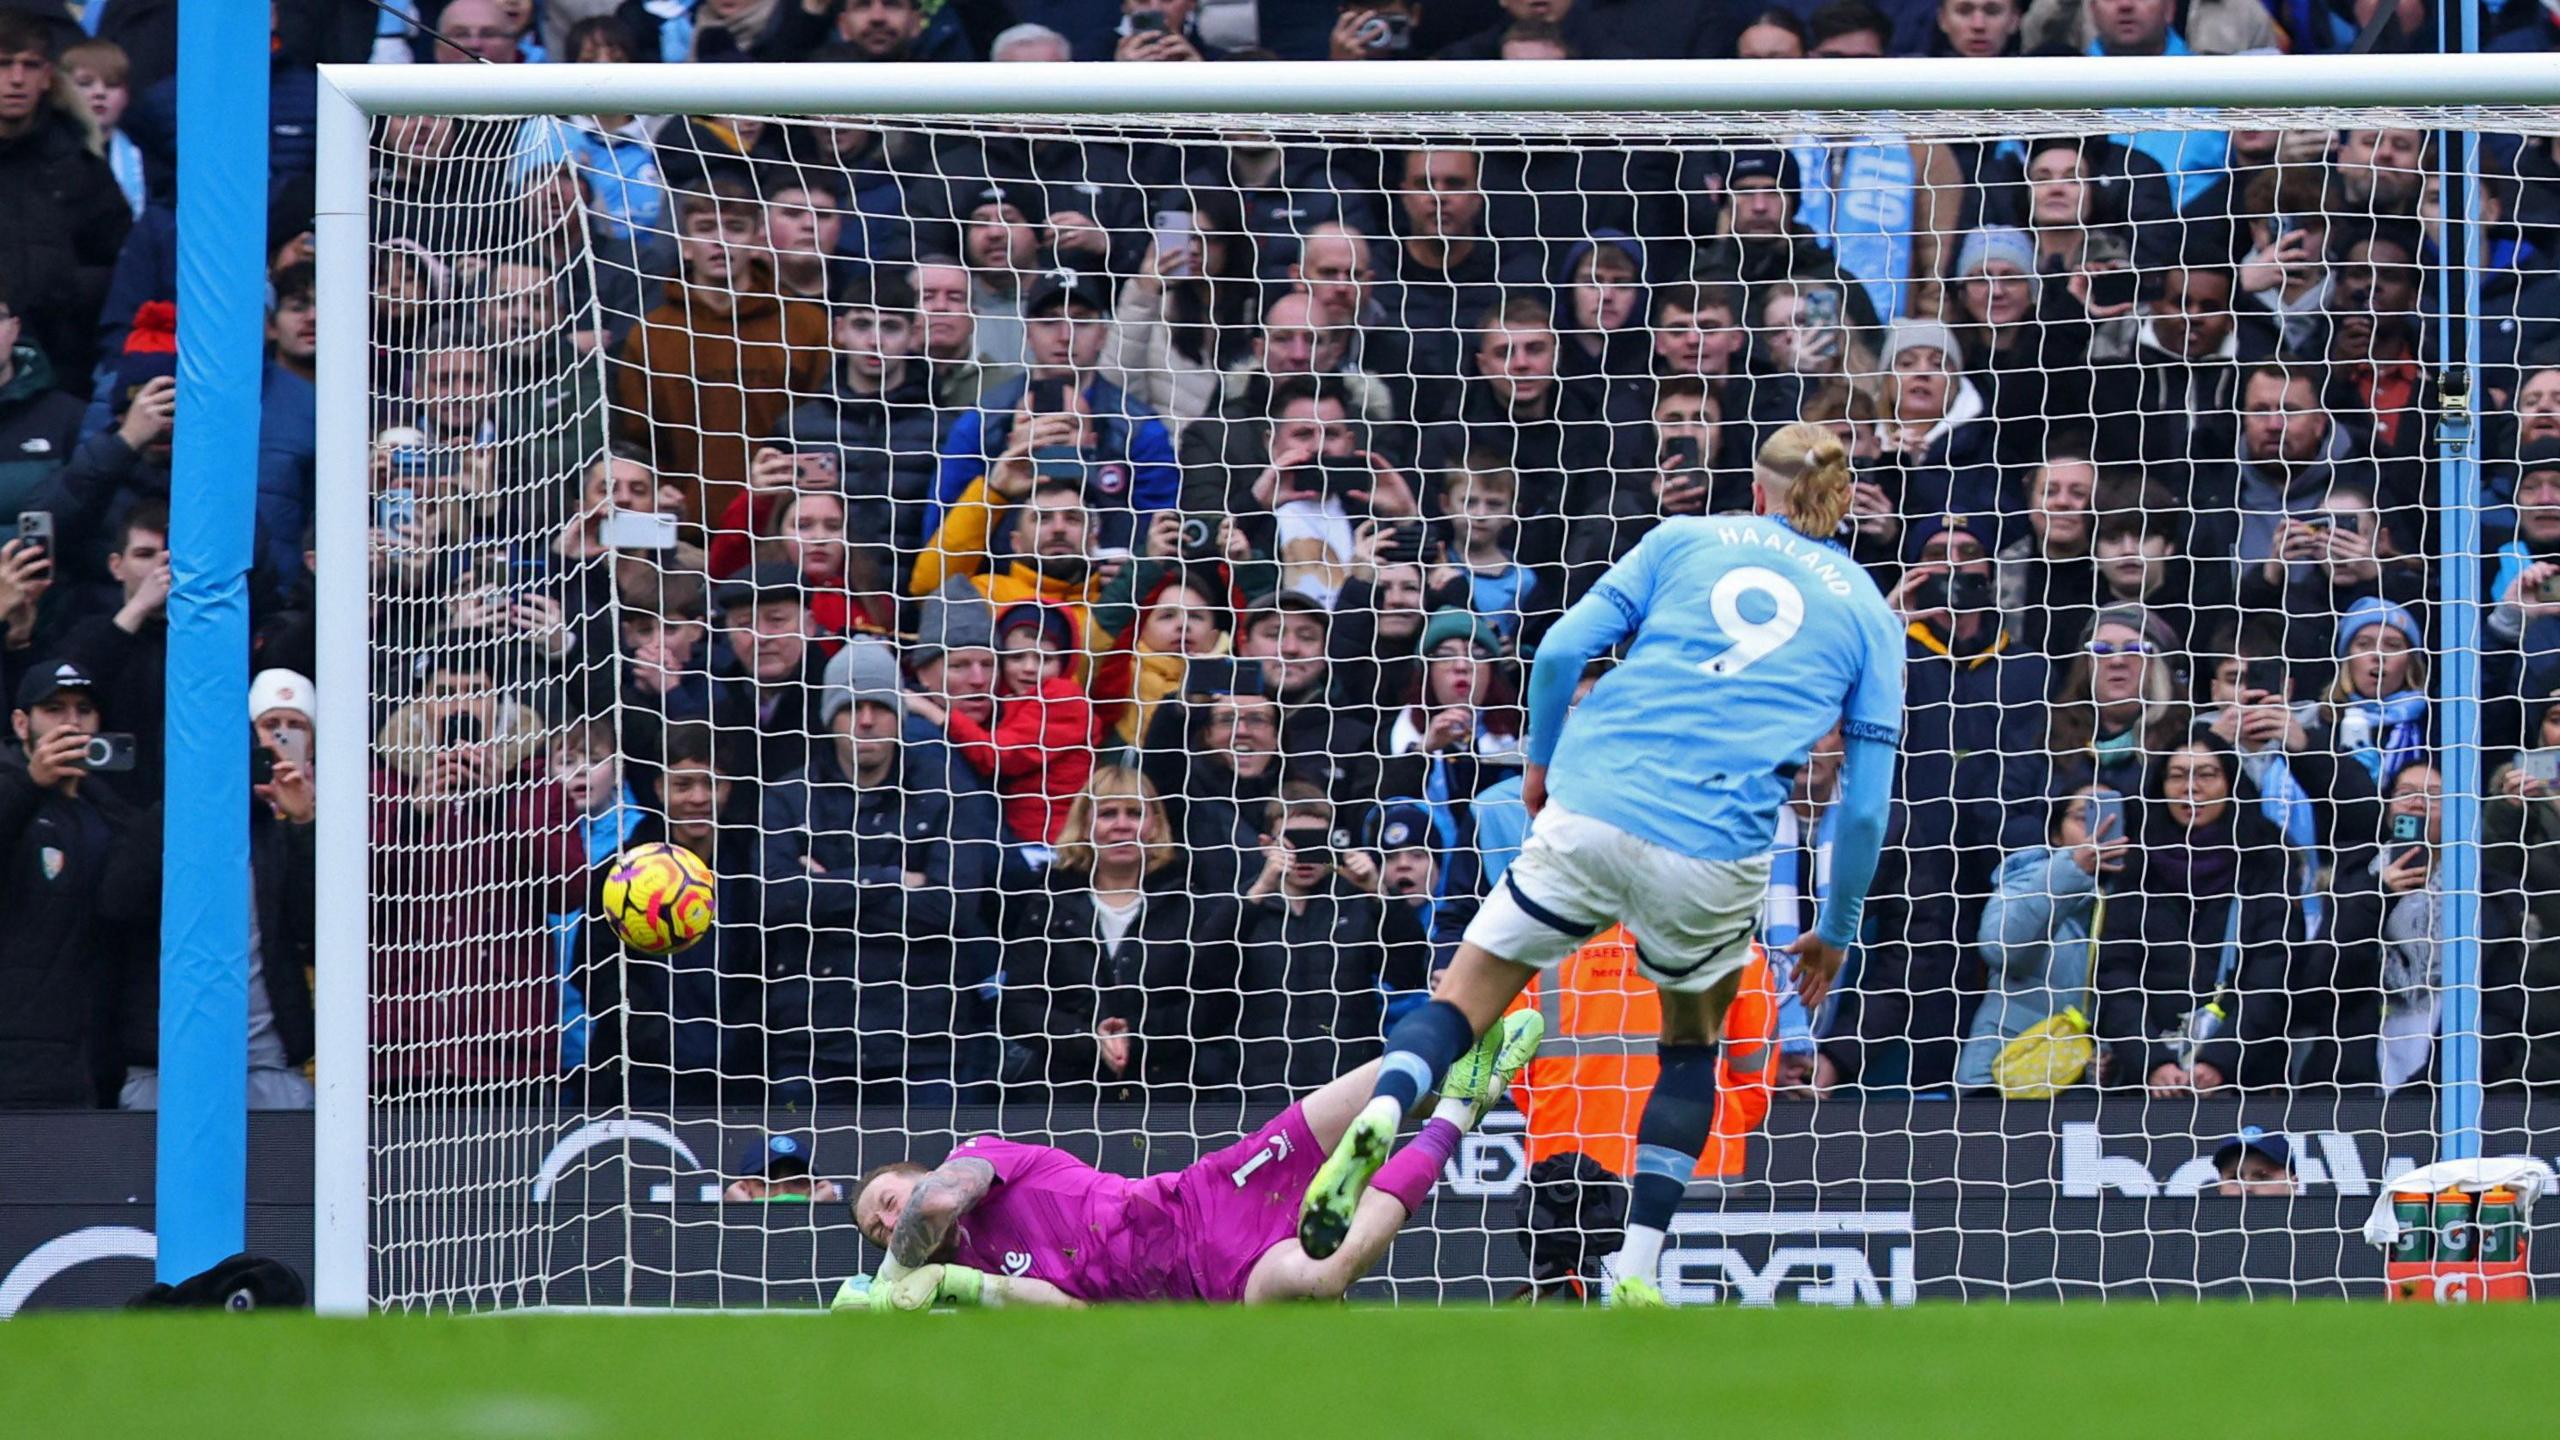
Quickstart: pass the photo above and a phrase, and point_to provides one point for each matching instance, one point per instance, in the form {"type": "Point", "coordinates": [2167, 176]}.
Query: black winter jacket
{"type": "Point", "coordinates": [677, 1020]}
{"type": "Point", "coordinates": [864, 968]}
{"type": "Point", "coordinates": [59, 234]}
{"type": "Point", "coordinates": [281, 859]}
{"type": "Point", "coordinates": [39, 425]}
{"type": "Point", "coordinates": [1173, 978]}
{"type": "Point", "coordinates": [73, 884]}
{"type": "Point", "coordinates": [885, 445]}
{"type": "Point", "coordinates": [2162, 955]}
{"type": "Point", "coordinates": [1313, 1006]}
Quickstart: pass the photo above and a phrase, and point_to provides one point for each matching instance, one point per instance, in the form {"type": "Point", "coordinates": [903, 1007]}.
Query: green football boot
{"type": "Point", "coordinates": [1324, 1217]}
{"type": "Point", "coordinates": [1483, 1075]}
{"type": "Point", "coordinates": [1634, 1292]}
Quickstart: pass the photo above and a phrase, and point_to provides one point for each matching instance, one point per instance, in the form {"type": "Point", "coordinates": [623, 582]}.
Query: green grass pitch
{"type": "Point", "coordinates": [2324, 1370]}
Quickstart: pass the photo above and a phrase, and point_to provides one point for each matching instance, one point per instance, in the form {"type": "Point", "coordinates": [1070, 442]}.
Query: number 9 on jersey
{"type": "Point", "coordinates": [1753, 640]}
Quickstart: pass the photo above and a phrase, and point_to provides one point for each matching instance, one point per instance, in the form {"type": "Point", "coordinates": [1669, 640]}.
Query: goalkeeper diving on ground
{"type": "Point", "coordinates": [1003, 1223]}
{"type": "Point", "coordinates": [1747, 638]}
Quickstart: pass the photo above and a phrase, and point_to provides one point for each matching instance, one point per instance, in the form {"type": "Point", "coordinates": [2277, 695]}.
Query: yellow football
{"type": "Point", "coordinates": [660, 898]}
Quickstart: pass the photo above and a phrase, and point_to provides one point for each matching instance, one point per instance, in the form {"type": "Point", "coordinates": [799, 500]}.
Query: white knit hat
{"type": "Point", "coordinates": [1911, 334]}
{"type": "Point", "coordinates": [281, 690]}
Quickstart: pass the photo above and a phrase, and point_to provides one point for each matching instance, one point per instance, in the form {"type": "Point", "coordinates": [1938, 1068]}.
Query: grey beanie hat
{"type": "Point", "coordinates": [865, 669]}
{"type": "Point", "coordinates": [955, 617]}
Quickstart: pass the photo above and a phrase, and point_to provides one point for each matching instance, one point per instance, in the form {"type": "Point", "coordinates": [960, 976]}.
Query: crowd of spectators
{"type": "Point", "coordinates": [1074, 587]}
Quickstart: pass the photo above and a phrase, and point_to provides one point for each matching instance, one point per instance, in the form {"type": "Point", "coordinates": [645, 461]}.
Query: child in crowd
{"type": "Point", "coordinates": [1039, 752]}
{"type": "Point", "coordinates": [99, 70]}
{"type": "Point", "coordinates": [588, 770]}
{"type": "Point", "coordinates": [1482, 501]}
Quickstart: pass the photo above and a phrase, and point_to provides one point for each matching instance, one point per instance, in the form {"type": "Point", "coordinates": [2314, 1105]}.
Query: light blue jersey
{"type": "Point", "coordinates": [1750, 642]}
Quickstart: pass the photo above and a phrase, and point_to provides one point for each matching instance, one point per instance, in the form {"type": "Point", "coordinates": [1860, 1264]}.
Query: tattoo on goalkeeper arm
{"type": "Point", "coordinates": [935, 1205]}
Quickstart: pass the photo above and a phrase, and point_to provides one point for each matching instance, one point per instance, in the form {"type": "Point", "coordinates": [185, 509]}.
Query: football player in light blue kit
{"type": "Point", "coordinates": [1748, 638]}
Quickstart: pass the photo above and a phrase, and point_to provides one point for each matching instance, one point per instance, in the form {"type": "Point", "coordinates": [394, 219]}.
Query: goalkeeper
{"type": "Point", "coordinates": [1007, 1223]}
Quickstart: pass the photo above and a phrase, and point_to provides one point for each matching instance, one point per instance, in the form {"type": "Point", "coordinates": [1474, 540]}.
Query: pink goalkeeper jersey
{"type": "Point", "coordinates": [1095, 1236]}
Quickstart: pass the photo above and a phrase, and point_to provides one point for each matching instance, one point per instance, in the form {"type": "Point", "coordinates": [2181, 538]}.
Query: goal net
{"type": "Point", "coordinates": [1072, 578]}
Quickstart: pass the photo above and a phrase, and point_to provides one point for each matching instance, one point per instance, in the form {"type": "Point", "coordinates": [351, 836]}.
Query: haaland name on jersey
{"type": "Point", "coordinates": [1825, 561]}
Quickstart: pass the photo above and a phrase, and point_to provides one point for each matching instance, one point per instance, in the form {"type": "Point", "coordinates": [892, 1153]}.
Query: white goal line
{"type": "Point", "coordinates": [802, 1312]}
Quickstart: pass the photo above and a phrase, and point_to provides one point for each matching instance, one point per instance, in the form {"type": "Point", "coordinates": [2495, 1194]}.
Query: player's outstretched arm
{"type": "Point", "coordinates": [963, 1286]}
{"type": "Point", "coordinates": [1866, 800]}
{"type": "Point", "coordinates": [960, 1285]}
{"type": "Point", "coordinates": [1596, 622]}
{"type": "Point", "coordinates": [1025, 1290]}
{"type": "Point", "coordinates": [933, 1208]}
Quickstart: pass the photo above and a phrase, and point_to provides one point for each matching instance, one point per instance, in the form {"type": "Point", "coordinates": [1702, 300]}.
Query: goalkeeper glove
{"type": "Point", "coordinates": [952, 1284]}
{"type": "Point", "coordinates": [919, 1289]}
{"type": "Point", "coordinates": [916, 1290]}
{"type": "Point", "coordinates": [906, 1290]}
{"type": "Point", "coordinates": [881, 1295]}
{"type": "Point", "coordinates": [964, 1286]}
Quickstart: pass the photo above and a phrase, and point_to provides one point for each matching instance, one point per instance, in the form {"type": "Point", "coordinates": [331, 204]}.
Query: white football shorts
{"type": "Point", "coordinates": [1693, 920]}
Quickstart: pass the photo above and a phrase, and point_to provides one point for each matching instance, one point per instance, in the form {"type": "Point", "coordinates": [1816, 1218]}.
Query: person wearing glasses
{"type": "Point", "coordinates": [2121, 698]}
{"type": "Point", "coordinates": [478, 32]}
{"type": "Point", "coordinates": [2118, 702]}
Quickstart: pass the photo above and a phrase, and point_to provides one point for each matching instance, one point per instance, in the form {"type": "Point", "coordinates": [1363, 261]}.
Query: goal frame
{"type": "Point", "coordinates": [351, 97]}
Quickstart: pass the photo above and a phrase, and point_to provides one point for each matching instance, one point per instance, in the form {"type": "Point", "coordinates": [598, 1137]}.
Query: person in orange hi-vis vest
{"type": "Point", "coordinates": [1587, 1088]}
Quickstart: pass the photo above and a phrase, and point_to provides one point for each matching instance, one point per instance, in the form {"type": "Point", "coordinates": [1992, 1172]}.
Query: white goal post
{"type": "Point", "coordinates": [1597, 103]}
